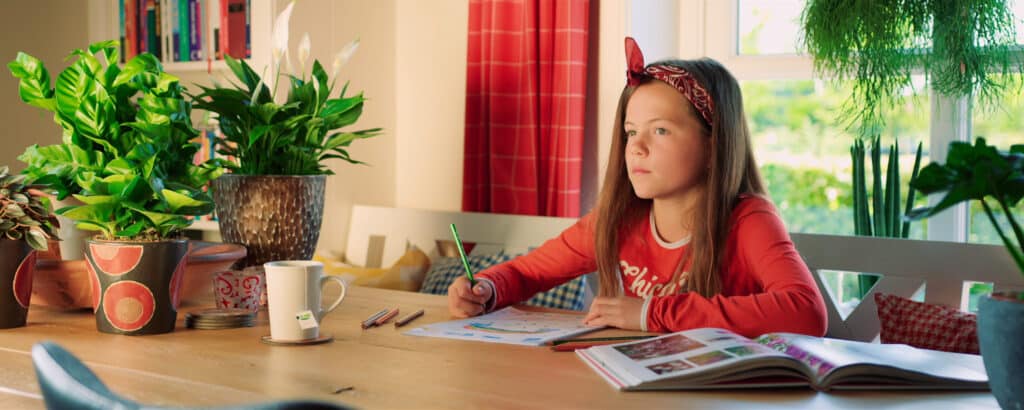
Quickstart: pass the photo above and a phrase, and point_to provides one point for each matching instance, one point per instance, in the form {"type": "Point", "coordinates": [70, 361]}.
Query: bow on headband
{"type": "Point", "coordinates": [671, 75]}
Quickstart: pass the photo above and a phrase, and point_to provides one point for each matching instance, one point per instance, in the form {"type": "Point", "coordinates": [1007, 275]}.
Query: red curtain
{"type": "Point", "coordinates": [526, 82]}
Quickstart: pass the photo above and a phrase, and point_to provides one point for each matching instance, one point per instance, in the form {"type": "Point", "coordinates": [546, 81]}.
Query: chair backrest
{"type": "Point", "coordinates": [380, 235]}
{"type": "Point", "coordinates": [939, 269]}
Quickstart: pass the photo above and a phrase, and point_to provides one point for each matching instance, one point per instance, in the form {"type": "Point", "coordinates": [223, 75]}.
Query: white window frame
{"type": "Point", "coordinates": [709, 28]}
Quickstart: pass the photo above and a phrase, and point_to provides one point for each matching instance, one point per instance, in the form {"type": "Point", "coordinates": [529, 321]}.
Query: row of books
{"type": "Point", "coordinates": [185, 30]}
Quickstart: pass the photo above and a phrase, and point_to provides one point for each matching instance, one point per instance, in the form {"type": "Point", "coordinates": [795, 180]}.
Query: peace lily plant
{"type": "Point", "coordinates": [279, 145]}
{"type": "Point", "coordinates": [289, 137]}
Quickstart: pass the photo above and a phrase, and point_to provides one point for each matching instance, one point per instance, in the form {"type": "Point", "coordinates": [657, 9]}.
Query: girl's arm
{"type": "Point", "coordinates": [557, 261]}
{"type": "Point", "coordinates": [788, 302]}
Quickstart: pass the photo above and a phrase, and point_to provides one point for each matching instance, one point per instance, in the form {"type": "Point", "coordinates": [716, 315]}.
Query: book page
{"type": "Point", "coordinates": [700, 356]}
{"type": "Point", "coordinates": [881, 361]}
{"type": "Point", "coordinates": [509, 325]}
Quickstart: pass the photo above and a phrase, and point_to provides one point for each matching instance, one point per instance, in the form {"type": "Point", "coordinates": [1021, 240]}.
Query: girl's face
{"type": "Point", "coordinates": [666, 149]}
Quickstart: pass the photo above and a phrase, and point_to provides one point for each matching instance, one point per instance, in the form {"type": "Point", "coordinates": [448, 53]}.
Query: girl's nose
{"type": "Point", "coordinates": [637, 145]}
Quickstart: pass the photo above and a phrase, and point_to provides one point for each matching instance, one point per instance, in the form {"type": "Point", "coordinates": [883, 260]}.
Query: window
{"type": "Point", "coordinates": [768, 27]}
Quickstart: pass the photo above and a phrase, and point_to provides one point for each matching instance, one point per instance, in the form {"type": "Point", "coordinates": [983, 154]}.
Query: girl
{"type": "Point", "coordinates": [682, 236]}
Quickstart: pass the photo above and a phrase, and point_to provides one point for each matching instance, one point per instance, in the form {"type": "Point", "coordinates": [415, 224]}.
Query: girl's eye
{"type": "Point", "coordinates": [630, 133]}
{"type": "Point", "coordinates": [660, 131]}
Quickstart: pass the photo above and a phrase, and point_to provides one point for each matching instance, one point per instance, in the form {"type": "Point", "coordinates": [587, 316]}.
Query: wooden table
{"type": "Point", "coordinates": [385, 368]}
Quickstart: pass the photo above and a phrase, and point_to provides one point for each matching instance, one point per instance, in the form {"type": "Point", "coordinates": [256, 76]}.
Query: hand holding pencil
{"type": "Point", "coordinates": [465, 300]}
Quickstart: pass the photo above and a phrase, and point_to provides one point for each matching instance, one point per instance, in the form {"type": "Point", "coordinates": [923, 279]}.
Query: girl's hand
{"type": "Point", "coordinates": [464, 302]}
{"type": "Point", "coordinates": [622, 312]}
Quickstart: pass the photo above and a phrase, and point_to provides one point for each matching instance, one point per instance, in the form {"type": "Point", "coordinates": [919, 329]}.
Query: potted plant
{"type": "Point", "coordinates": [886, 220]}
{"type": "Point", "coordinates": [272, 200]}
{"type": "Point", "coordinates": [128, 141]}
{"type": "Point", "coordinates": [983, 173]}
{"type": "Point", "coordinates": [26, 223]}
{"type": "Point", "coordinates": [963, 48]}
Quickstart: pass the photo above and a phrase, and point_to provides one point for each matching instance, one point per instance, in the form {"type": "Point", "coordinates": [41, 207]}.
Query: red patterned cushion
{"type": "Point", "coordinates": [925, 325]}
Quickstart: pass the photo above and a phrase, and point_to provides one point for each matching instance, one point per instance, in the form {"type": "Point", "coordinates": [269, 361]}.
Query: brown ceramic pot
{"type": "Point", "coordinates": [136, 285]}
{"type": "Point", "coordinates": [276, 217]}
{"type": "Point", "coordinates": [17, 264]}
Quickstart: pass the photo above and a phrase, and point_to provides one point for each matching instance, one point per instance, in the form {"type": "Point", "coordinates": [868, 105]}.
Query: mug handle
{"type": "Point", "coordinates": [323, 281]}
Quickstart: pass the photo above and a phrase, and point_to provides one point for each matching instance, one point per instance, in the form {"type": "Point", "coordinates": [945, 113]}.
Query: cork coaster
{"type": "Point", "coordinates": [319, 340]}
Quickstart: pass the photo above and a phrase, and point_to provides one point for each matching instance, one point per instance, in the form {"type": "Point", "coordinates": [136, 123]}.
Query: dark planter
{"type": "Point", "coordinates": [136, 285]}
{"type": "Point", "coordinates": [17, 264]}
{"type": "Point", "coordinates": [1000, 332]}
{"type": "Point", "coordinates": [276, 217]}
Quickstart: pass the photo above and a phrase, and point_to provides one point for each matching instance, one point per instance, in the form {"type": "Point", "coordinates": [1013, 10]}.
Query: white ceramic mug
{"type": "Point", "coordinates": [294, 287]}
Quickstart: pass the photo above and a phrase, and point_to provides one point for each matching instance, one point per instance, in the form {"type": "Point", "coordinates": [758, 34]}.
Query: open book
{"type": "Point", "coordinates": [716, 358]}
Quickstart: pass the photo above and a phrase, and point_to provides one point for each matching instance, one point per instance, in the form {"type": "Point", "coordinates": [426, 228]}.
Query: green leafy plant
{"type": "Point", "coordinates": [979, 172]}
{"type": "Point", "coordinates": [24, 214]}
{"type": "Point", "coordinates": [290, 138]}
{"type": "Point", "coordinates": [887, 219]}
{"type": "Point", "coordinates": [963, 48]}
{"type": "Point", "coordinates": [127, 150]}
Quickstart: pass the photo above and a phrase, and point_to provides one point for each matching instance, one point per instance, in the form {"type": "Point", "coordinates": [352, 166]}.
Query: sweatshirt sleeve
{"type": "Point", "coordinates": [789, 300]}
{"type": "Point", "coordinates": [557, 261]}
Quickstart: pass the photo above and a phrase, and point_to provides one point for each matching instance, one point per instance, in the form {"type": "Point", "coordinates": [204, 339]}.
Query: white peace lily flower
{"type": "Point", "coordinates": [343, 56]}
{"type": "Point", "coordinates": [303, 52]}
{"type": "Point", "coordinates": [280, 32]}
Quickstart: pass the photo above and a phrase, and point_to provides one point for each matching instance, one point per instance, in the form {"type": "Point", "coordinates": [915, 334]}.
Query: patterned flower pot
{"type": "Point", "coordinates": [17, 264]}
{"type": "Point", "coordinates": [135, 285]}
{"type": "Point", "coordinates": [276, 217]}
{"type": "Point", "coordinates": [1000, 332]}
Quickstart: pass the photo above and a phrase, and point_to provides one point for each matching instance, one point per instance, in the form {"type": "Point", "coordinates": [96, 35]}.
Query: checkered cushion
{"type": "Point", "coordinates": [569, 295]}
{"type": "Point", "coordinates": [925, 325]}
{"type": "Point", "coordinates": [445, 270]}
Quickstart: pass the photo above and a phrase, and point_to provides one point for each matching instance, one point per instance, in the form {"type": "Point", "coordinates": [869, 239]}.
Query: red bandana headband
{"type": "Point", "coordinates": [671, 75]}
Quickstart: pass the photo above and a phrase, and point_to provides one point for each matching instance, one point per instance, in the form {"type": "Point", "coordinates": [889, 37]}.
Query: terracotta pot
{"type": "Point", "coordinates": [276, 217]}
{"type": "Point", "coordinates": [135, 285]}
{"type": "Point", "coordinates": [1000, 332]}
{"type": "Point", "coordinates": [17, 265]}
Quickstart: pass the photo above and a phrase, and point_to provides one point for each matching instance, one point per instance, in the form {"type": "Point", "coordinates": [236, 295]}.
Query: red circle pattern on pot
{"type": "Point", "coordinates": [124, 295]}
{"type": "Point", "coordinates": [116, 260]}
{"type": "Point", "coordinates": [22, 285]}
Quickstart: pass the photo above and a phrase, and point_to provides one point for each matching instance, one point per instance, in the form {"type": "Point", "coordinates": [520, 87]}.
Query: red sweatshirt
{"type": "Point", "coordinates": [766, 287]}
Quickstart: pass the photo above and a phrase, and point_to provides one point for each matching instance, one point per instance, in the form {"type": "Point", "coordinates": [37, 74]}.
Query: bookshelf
{"type": "Point", "coordinates": [106, 21]}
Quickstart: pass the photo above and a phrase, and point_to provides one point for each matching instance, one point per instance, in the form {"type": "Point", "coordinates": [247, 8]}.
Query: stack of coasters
{"type": "Point", "coordinates": [220, 319]}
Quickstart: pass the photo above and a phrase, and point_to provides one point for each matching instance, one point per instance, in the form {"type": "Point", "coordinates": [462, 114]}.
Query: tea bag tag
{"type": "Point", "coordinates": [306, 320]}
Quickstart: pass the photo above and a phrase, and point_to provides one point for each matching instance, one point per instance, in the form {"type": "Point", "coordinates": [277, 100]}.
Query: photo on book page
{"type": "Point", "coordinates": [509, 325]}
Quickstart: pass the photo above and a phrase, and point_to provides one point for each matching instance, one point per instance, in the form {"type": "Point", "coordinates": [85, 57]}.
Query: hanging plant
{"type": "Point", "coordinates": [962, 48]}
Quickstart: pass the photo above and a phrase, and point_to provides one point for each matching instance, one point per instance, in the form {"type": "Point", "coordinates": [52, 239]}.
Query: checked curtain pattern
{"type": "Point", "coordinates": [525, 106]}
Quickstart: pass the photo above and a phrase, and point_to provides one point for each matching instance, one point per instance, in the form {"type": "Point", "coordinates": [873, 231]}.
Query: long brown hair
{"type": "Point", "coordinates": [732, 171]}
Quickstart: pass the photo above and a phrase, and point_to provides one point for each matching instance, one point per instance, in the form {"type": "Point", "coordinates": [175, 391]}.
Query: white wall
{"type": "Point", "coordinates": [45, 29]}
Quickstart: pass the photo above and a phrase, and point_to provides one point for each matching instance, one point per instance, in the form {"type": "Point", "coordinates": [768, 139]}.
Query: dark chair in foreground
{"type": "Point", "coordinates": [67, 384]}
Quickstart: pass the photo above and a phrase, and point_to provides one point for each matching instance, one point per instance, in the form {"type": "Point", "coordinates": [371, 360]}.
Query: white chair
{"type": "Point", "coordinates": [907, 266]}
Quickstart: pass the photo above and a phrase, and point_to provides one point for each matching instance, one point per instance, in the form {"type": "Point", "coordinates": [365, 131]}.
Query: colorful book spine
{"type": "Point", "coordinates": [174, 44]}
{"type": "Point", "coordinates": [140, 22]}
{"type": "Point", "coordinates": [120, 27]}
{"type": "Point", "coordinates": [232, 27]}
{"type": "Point", "coordinates": [248, 36]}
{"type": "Point", "coordinates": [195, 27]}
{"type": "Point", "coordinates": [131, 33]}
{"type": "Point", "coordinates": [184, 33]}
{"type": "Point", "coordinates": [213, 20]}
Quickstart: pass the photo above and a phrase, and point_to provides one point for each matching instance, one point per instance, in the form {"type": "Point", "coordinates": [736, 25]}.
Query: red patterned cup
{"type": "Point", "coordinates": [239, 289]}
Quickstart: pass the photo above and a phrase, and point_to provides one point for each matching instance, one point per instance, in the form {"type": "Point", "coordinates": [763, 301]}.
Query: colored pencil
{"type": "Point", "coordinates": [602, 339]}
{"type": "Point", "coordinates": [412, 316]}
{"type": "Point", "coordinates": [384, 319]}
{"type": "Point", "coordinates": [373, 318]}
{"type": "Point", "coordinates": [462, 254]}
